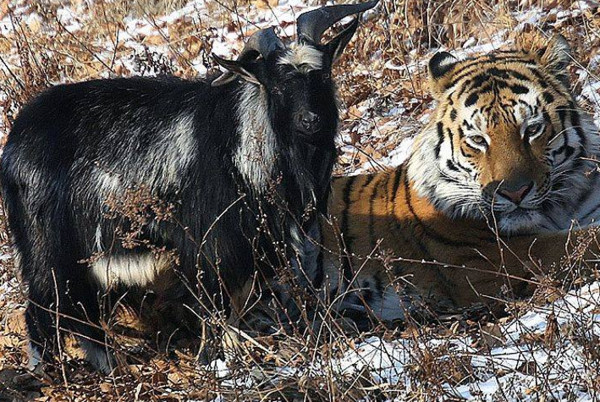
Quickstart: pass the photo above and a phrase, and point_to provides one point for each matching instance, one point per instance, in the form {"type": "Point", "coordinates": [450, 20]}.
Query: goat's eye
{"type": "Point", "coordinates": [276, 91]}
{"type": "Point", "coordinates": [533, 129]}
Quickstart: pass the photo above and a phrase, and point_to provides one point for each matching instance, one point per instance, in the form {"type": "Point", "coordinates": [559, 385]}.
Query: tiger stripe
{"type": "Point", "coordinates": [446, 226]}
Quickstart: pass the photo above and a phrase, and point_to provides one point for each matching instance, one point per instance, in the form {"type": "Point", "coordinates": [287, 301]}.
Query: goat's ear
{"type": "Point", "coordinates": [441, 70]}
{"type": "Point", "coordinates": [556, 57]}
{"type": "Point", "coordinates": [247, 70]}
{"type": "Point", "coordinates": [336, 46]}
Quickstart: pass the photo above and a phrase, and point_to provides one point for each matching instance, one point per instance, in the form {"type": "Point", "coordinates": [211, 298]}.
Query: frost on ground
{"type": "Point", "coordinates": [543, 352]}
{"type": "Point", "coordinates": [549, 353]}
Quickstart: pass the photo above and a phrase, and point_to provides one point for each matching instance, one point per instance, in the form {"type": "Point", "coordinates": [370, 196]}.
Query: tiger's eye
{"type": "Point", "coordinates": [533, 129]}
{"type": "Point", "coordinates": [479, 140]}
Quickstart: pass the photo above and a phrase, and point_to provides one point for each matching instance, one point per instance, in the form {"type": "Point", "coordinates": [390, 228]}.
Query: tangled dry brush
{"type": "Point", "coordinates": [384, 100]}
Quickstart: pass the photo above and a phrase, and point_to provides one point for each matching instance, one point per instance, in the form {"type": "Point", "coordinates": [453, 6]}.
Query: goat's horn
{"type": "Point", "coordinates": [264, 42]}
{"type": "Point", "coordinates": [312, 24]}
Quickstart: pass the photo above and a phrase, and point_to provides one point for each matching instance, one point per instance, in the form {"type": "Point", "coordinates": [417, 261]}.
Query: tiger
{"type": "Point", "coordinates": [505, 167]}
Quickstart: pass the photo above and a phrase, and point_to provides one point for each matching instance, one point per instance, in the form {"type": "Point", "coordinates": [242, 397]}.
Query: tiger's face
{"type": "Point", "coordinates": [506, 138]}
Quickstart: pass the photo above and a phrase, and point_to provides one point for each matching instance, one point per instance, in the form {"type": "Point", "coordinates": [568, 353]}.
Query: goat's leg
{"type": "Point", "coordinates": [83, 314]}
{"type": "Point", "coordinates": [40, 321]}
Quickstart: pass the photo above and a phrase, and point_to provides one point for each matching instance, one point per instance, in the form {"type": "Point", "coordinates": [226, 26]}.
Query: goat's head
{"type": "Point", "coordinates": [297, 78]}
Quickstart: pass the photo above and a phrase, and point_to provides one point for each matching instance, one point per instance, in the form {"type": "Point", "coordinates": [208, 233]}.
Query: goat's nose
{"type": "Point", "coordinates": [516, 196]}
{"type": "Point", "coordinates": [309, 121]}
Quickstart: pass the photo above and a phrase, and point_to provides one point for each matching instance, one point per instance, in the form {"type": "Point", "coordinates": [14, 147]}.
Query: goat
{"type": "Point", "coordinates": [238, 159]}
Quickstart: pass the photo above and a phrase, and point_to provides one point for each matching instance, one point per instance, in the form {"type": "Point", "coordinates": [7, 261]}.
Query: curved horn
{"type": "Point", "coordinates": [312, 24]}
{"type": "Point", "coordinates": [264, 42]}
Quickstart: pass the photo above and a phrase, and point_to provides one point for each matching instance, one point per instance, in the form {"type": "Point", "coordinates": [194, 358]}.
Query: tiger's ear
{"type": "Point", "coordinates": [441, 70]}
{"type": "Point", "coordinates": [556, 57]}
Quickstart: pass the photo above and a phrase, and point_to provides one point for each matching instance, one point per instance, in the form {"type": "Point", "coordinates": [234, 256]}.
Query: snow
{"type": "Point", "coordinates": [69, 19]}
{"type": "Point", "coordinates": [8, 288]}
{"type": "Point", "coordinates": [387, 361]}
{"type": "Point", "coordinates": [531, 17]}
{"type": "Point", "coordinates": [518, 369]}
{"type": "Point", "coordinates": [395, 158]}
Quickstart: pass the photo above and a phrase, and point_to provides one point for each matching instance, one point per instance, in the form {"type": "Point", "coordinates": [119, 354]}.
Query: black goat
{"type": "Point", "coordinates": [242, 162]}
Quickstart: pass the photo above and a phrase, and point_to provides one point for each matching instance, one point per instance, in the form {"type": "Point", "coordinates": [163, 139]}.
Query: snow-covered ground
{"type": "Point", "coordinates": [545, 354]}
{"type": "Point", "coordinates": [542, 354]}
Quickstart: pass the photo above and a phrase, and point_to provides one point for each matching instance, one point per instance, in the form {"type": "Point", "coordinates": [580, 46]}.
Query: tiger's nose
{"type": "Point", "coordinates": [516, 196]}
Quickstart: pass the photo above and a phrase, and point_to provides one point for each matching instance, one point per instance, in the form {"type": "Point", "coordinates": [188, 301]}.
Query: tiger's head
{"type": "Point", "coordinates": [507, 138]}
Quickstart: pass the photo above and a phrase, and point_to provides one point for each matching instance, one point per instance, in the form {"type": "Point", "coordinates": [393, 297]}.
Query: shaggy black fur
{"type": "Point", "coordinates": [75, 146]}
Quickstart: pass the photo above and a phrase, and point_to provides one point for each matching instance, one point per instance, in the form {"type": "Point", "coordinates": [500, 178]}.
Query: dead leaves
{"type": "Point", "coordinates": [265, 4]}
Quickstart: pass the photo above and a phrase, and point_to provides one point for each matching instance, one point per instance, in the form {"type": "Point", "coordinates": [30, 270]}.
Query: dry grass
{"type": "Point", "coordinates": [382, 68]}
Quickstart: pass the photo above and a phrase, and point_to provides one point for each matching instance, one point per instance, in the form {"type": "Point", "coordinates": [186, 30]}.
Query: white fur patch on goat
{"type": "Point", "coordinates": [307, 250]}
{"type": "Point", "coordinates": [109, 183]}
{"type": "Point", "coordinates": [130, 270]}
{"type": "Point", "coordinates": [255, 153]}
{"type": "Point", "coordinates": [98, 239]}
{"type": "Point", "coordinates": [171, 156]}
{"type": "Point", "coordinates": [161, 165]}
{"type": "Point", "coordinates": [305, 58]}
{"type": "Point", "coordinates": [34, 357]}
